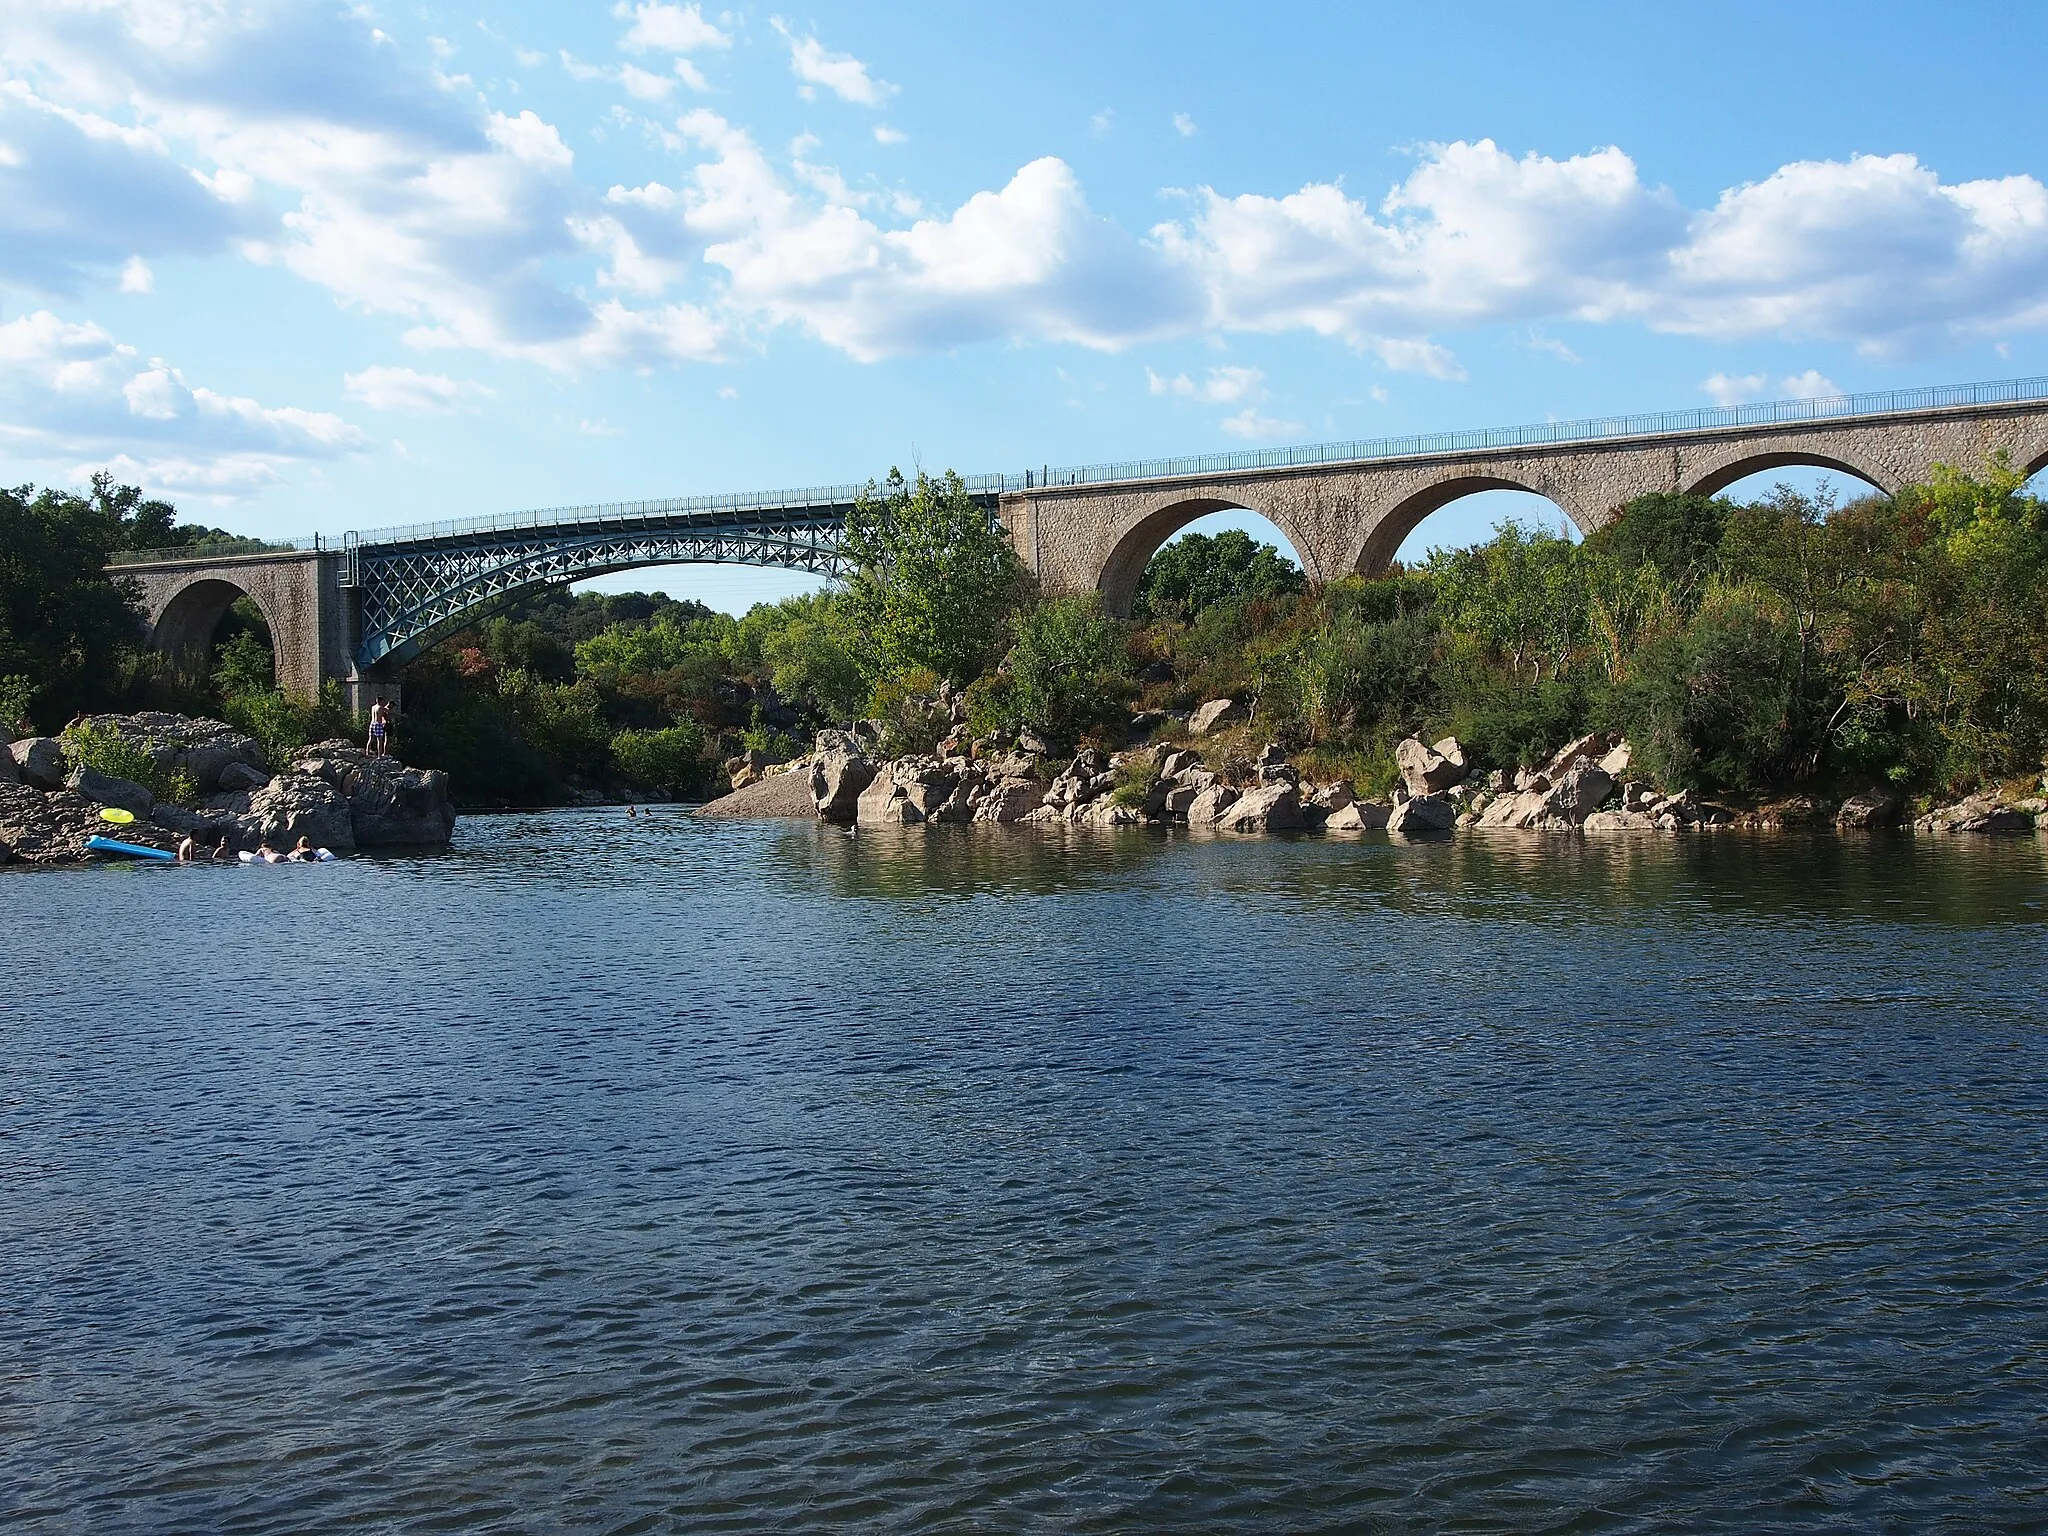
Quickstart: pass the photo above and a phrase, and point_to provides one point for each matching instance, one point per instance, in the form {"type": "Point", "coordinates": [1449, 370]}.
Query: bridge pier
{"type": "Point", "coordinates": [312, 618]}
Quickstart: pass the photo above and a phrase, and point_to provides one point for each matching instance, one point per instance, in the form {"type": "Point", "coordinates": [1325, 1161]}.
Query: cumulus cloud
{"type": "Point", "coordinates": [1253, 425]}
{"type": "Point", "coordinates": [81, 194]}
{"type": "Point", "coordinates": [1223, 385]}
{"type": "Point", "coordinates": [1030, 261]}
{"type": "Point", "coordinates": [840, 73]}
{"type": "Point", "coordinates": [1184, 125]}
{"type": "Point", "coordinates": [1740, 389]}
{"type": "Point", "coordinates": [404, 195]}
{"type": "Point", "coordinates": [406, 389]}
{"type": "Point", "coordinates": [668, 28]}
{"type": "Point", "coordinates": [132, 130]}
{"type": "Point", "coordinates": [69, 388]}
{"type": "Point", "coordinates": [136, 276]}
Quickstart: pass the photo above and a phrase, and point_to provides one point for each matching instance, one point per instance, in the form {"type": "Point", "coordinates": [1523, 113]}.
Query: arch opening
{"type": "Point", "coordinates": [212, 617]}
{"type": "Point", "coordinates": [1731, 476]}
{"type": "Point", "coordinates": [1207, 516]}
{"type": "Point", "coordinates": [1454, 513]}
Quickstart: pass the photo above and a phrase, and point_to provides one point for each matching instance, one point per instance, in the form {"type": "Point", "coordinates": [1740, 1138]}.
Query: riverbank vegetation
{"type": "Point", "coordinates": [1746, 649]}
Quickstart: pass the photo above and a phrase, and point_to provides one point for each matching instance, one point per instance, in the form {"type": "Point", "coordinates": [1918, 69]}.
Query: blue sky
{"type": "Point", "coordinates": [303, 266]}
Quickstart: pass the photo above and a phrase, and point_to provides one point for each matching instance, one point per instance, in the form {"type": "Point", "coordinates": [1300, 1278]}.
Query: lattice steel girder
{"type": "Point", "coordinates": [412, 594]}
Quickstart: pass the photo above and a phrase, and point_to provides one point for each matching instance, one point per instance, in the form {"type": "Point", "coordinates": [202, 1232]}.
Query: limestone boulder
{"type": "Point", "coordinates": [1617, 761]}
{"type": "Point", "coordinates": [105, 789]}
{"type": "Point", "coordinates": [1423, 813]}
{"type": "Point", "coordinates": [838, 777]}
{"type": "Point", "coordinates": [405, 807]}
{"type": "Point", "coordinates": [1873, 809]}
{"type": "Point", "coordinates": [239, 777]}
{"type": "Point", "coordinates": [40, 828]}
{"type": "Point", "coordinates": [40, 761]}
{"type": "Point", "coordinates": [1209, 805]}
{"type": "Point", "coordinates": [1980, 814]}
{"type": "Point", "coordinates": [1334, 797]}
{"type": "Point", "coordinates": [1174, 762]}
{"type": "Point", "coordinates": [1358, 816]}
{"type": "Point", "coordinates": [1620, 820]}
{"type": "Point", "coordinates": [1011, 800]}
{"type": "Point", "coordinates": [188, 743]}
{"type": "Point", "coordinates": [1215, 713]}
{"type": "Point", "coordinates": [298, 805]}
{"type": "Point", "coordinates": [1425, 770]}
{"type": "Point", "coordinates": [1269, 808]}
{"type": "Point", "coordinates": [1515, 810]}
{"type": "Point", "coordinates": [1586, 750]}
{"type": "Point", "coordinates": [1578, 793]}
{"type": "Point", "coordinates": [10, 770]}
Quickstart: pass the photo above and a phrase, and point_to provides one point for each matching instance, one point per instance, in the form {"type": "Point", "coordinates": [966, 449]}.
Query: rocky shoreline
{"type": "Point", "coordinates": [333, 794]}
{"type": "Point", "coordinates": [1586, 788]}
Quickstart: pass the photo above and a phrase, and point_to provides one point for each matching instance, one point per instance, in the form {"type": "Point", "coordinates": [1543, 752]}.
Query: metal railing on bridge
{"type": "Point", "coordinates": [834, 499]}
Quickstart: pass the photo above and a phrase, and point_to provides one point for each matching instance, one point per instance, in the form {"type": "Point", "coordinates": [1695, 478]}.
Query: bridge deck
{"type": "Point", "coordinates": [831, 502]}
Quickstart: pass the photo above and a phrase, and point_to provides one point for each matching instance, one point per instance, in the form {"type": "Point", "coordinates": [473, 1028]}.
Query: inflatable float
{"type": "Point", "coordinates": [130, 850]}
{"type": "Point", "coordinates": [320, 856]}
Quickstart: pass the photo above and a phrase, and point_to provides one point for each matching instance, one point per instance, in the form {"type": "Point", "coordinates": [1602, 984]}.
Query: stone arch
{"type": "Point", "coordinates": [184, 626]}
{"type": "Point", "coordinates": [1742, 466]}
{"type": "Point", "coordinates": [1392, 527]}
{"type": "Point", "coordinates": [1137, 544]}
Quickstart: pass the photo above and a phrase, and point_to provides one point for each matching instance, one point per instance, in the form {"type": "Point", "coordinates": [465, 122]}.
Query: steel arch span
{"type": "Point", "coordinates": [412, 594]}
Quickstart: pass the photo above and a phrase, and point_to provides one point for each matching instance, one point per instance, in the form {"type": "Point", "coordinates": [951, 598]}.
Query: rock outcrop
{"type": "Point", "coordinates": [105, 789]}
{"type": "Point", "coordinates": [1872, 809]}
{"type": "Point", "coordinates": [295, 805]}
{"type": "Point", "coordinates": [1270, 808]}
{"type": "Point", "coordinates": [839, 773]}
{"type": "Point", "coordinates": [40, 828]}
{"type": "Point", "coordinates": [1217, 712]}
{"type": "Point", "coordinates": [39, 761]}
{"type": "Point", "coordinates": [206, 749]}
{"type": "Point", "coordinates": [1423, 813]}
{"type": "Point", "coordinates": [1426, 770]}
{"type": "Point", "coordinates": [778, 795]}
{"type": "Point", "coordinates": [1981, 813]}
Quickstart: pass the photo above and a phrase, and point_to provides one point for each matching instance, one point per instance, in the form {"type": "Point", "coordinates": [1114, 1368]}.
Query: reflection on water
{"type": "Point", "coordinates": [685, 1175]}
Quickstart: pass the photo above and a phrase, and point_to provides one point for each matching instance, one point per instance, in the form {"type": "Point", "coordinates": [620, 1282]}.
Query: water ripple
{"type": "Point", "coordinates": [700, 1176]}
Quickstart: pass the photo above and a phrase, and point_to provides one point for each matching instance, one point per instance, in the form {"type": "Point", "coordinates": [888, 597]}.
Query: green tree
{"type": "Point", "coordinates": [63, 623]}
{"type": "Point", "coordinates": [1064, 676]}
{"type": "Point", "coordinates": [671, 759]}
{"type": "Point", "coordinates": [1199, 571]}
{"type": "Point", "coordinates": [933, 578]}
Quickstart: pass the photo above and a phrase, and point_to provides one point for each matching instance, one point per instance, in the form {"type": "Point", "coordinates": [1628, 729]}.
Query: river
{"type": "Point", "coordinates": [674, 1175]}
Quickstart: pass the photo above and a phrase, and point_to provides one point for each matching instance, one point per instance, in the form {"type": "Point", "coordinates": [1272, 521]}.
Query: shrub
{"type": "Point", "coordinates": [105, 750]}
{"type": "Point", "coordinates": [671, 759]}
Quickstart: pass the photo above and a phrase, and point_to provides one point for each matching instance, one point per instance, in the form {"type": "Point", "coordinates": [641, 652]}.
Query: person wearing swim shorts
{"type": "Point", "coordinates": [380, 729]}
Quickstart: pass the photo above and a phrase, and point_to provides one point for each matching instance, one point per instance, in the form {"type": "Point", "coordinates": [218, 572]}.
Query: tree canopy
{"type": "Point", "coordinates": [1200, 570]}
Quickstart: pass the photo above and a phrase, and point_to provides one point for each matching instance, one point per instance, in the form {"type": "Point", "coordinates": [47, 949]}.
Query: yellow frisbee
{"type": "Point", "coordinates": [116, 815]}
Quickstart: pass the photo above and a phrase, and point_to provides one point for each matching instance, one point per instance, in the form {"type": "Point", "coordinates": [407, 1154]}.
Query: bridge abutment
{"type": "Point", "coordinates": [312, 618]}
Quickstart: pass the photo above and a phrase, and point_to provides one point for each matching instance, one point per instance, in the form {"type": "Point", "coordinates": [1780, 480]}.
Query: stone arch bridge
{"type": "Point", "coordinates": [357, 607]}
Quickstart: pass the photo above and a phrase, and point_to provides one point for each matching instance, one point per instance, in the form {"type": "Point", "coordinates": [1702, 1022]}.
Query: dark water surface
{"type": "Point", "coordinates": [699, 1176]}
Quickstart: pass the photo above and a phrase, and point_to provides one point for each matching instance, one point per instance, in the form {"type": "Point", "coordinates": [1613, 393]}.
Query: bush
{"type": "Point", "coordinates": [1065, 676]}
{"type": "Point", "coordinates": [671, 760]}
{"type": "Point", "coordinates": [105, 750]}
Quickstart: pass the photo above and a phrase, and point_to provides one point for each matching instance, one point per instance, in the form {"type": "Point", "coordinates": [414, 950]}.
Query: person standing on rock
{"type": "Point", "coordinates": [380, 729]}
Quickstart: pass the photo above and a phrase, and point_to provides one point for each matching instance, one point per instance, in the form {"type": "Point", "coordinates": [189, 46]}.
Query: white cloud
{"type": "Point", "coordinates": [644, 86]}
{"type": "Point", "coordinates": [668, 28]}
{"type": "Point", "coordinates": [1184, 125]}
{"type": "Point", "coordinates": [136, 276]}
{"type": "Point", "coordinates": [405, 389]}
{"type": "Point", "coordinates": [70, 389]}
{"type": "Point", "coordinates": [1731, 389]}
{"type": "Point", "coordinates": [691, 75]}
{"type": "Point", "coordinates": [1536, 341]}
{"type": "Point", "coordinates": [599, 428]}
{"type": "Point", "coordinates": [403, 195]}
{"type": "Point", "coordinates": [1030, 261]}
{"type": "Point", "coordinates": [1810, 385]}
{"type": "Point", "coordinates": [1102, 122]}
{"type": "Point", "coordinates": [884, 134]}
{"type": "Point", "coordinates": [1248, 423]}
{"type": "Point", "coordinates": [1223, 386]}
{"type": "Point", "coordinates": [840, 73]}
